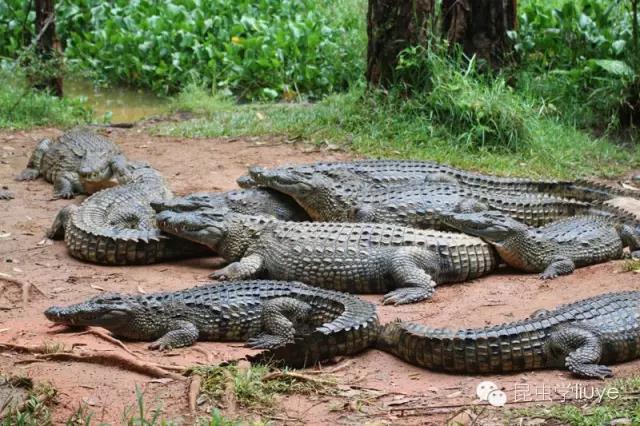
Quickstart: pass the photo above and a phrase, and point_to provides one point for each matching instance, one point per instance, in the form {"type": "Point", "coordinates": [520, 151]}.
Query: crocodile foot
{"type": "Point", "coordinates": [67, 195]}
{"type": "Point", "coordinates": [160, 345]}
{"type": "Point", "coordinates": [28, 174]}
{"type": "Point", "coordinates": [404, 295]}
{"type": "Point", "coordinates": [267, 341]}
{"type": "Point", "coordinates": [595, 371]}
{"type": "Point", "coordinates": [548, 275]}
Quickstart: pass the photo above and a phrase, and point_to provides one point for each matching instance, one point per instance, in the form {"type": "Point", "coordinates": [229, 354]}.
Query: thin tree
{"type": "Point", "coordinates": [47, 48]}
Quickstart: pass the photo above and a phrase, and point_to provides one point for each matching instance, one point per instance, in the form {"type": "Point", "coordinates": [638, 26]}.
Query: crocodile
{"type": "Point", "coordinates": [116, 226]}
{"type": "Point", "coordinates": [5, 194]}
{"type": "Point", "coordinates": [296, 323]}
{"type": "Point", "coordinates": [339, 197]}
{"type": "Point", "coordinates": [582, 337]}
{"type": "Point", "coordinates": [402, 172]}
{"type": "Point", "coordinates": [555, 249]}
{"type": "Point", "coordinates": [351, 257]}
{"type": "Point", "coordinates": [78, 162]}
{"type": "Point", "coordinates": [247, 201]}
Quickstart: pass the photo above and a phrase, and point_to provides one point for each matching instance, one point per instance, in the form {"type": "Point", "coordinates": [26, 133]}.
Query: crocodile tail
{"type": "Point", "coordinates": [592, 191]}
{"type": "Point", "coordinates": [494, 350]}
{"type": "Point", "coordinates": [108, 250]}
{"type": "Point", "coordinates": [617, 213]}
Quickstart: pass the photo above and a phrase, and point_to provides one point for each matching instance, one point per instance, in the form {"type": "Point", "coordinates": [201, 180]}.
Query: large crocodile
{"type": "Point", "coordinates": [297, 323]}
{"type": "Point", "coordinates": [555, 249]}
{"type": "Point", "coordinates": [117, 226]}
{"type": "Point", "coordinates": [78, 162]}
{"type": "Point", "coordinates": [338, 196]}
{"type": "Point", "coordinates": [358, 258]}
{"type": "Point", "coordinates": [402, 172]}
{"type": "Point", "coordinates": [248, 201]}
{"type": "Point", "coordinates": [583, 337]}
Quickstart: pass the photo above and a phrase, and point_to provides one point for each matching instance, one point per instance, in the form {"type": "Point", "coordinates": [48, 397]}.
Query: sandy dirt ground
{"type": "Point", "coordinates": [385, 387]}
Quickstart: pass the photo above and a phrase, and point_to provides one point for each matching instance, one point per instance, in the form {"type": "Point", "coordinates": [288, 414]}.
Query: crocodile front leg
{"type": "Point", "coordinates": [245, 268]}
{"type": "Point", "coordinates": [279, 317]}
{"type": "Point", "coordinates": [558, 266]}
{"type": "Point", "coordinates": [409, 268]}
{"type": "Point", "coordinates": [66, 185]}
{"type": "Point", "coordinates": [183, 333]}
{"type": "Point", "coordinates": [32, 171]}
{"type": "Point", "coordinates": [583, 349]}
{"type": "Point", "coordinates": [56, 232]}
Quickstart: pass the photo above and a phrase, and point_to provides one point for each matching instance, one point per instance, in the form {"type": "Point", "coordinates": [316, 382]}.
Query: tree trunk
{"type": "Point", "coordinates": [48, 48]}
{"type": "Point", "coordinates": [480, 27]}
{"type": "Point", "coordinates": [392, 26]}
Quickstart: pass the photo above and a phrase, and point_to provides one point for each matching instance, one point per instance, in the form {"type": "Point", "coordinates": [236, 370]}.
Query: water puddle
{"type": "Point", "coordinates": [123, 105]}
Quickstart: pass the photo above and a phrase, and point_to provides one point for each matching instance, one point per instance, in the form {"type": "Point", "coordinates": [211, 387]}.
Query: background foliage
{"type": "Point", "coordinates": [263, 49]}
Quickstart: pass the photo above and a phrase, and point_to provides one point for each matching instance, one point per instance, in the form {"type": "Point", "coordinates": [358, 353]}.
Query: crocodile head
{"type": "Point", "coordinates": [191, 202]}
{"type": "Point", "coordinates": [109, 311]}
{"type": "Point", "coordinates": [492, 226]}
{"type": "Point", "coordinates": [227, 233]}
{"type": "Point", "coordinates": [203, 226]}
{"type": "Point", "coordinates": [325, 196]}
{"type": "Point", "coordinates": [95, 167]}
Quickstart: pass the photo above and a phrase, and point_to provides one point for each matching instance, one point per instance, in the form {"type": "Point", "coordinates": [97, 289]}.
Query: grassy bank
{"type": "Point", "coordinates": [378, 125]}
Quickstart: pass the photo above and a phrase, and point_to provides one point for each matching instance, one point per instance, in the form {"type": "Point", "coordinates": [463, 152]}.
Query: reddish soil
{"type": "Point", "coordinates": [191, 165]}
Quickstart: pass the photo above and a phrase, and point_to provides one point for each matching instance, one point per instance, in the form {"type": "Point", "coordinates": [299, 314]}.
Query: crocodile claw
{"type": "Point", "coordinates": [267, 341]}
{"type": "Point", "coordinates": [28, 174]}
{"type": "Point", "coordinates": [405, 295]}
{"type": "Point", "coordinates": [596, 371]}
{"type": "Point", "coordinates": [548, 275]}
{"type": "Point", "coordinates": [67, 195]}
{"type": "Point", "coordinates": [219, 275]}
{"type": "Point", "coordinates": [159, 345]}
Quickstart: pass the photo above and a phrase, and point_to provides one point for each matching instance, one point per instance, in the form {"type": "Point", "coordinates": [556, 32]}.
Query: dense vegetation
{"type": "Point", "coordinates": [267, 49]}
{"type": "Point", "coordinates": [559, 108]}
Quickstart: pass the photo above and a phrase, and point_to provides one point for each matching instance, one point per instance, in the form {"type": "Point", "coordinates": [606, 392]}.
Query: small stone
{"type": "Point", "coordinates": [620, 421]}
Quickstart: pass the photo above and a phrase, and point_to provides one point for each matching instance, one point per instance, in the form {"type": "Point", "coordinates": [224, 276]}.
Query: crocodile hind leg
{"type": "Point", "coordinates": [583, 350]}
{"type": "Point", "coordinates": [558, 266]}
{"type": "Point", "coordinates": [33, 166]}
{"type": "Point", "coordinates": [630, 238]}
{"type": "Point", "coordinates": [183, 333]}
{"type": "Point", "coordinates": [245, 268]}
{"type": "Point", "coordinates": [412, 270]}
{"type": "Point", "coordinates": [279, 319]}
{"type": "Point", "coordinates": [56, 232]}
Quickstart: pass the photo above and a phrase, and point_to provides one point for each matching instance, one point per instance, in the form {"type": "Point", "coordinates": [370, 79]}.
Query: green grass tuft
{"type": "Point", "coordinates": [22, 107]}
{"type": "Point", "coordinates": [251, 387]}
{"type": "Point", "coordinates": [625, 406]}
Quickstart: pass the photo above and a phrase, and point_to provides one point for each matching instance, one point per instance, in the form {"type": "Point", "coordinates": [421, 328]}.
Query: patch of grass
{"type": "Point", "coordinates": [387, 126]}
{"type": "Point", "coordinates": [250, 387]}
{"type": "Point", "coordinates": [631, 265]}
{"type": "Point", "coordinates": [32, 412]}
{"type": "Point", "coordinates": [624, 406]}
{"type": "Point", "coordinates": [22, 107]}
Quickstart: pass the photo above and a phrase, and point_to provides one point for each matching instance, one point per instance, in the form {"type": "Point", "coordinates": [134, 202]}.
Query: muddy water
{"type": "Point", "coordinates": [122, 105]}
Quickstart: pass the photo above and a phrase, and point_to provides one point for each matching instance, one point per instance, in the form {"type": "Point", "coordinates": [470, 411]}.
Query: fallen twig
{"type": "Point", "coordinates": [110, 339]}
{"type": "Point", "coordinates": [194, 391]}
{"type": "Point", "coordinates": [117, 360]}
{"type": "Point", "coordinates": [39, 349]}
